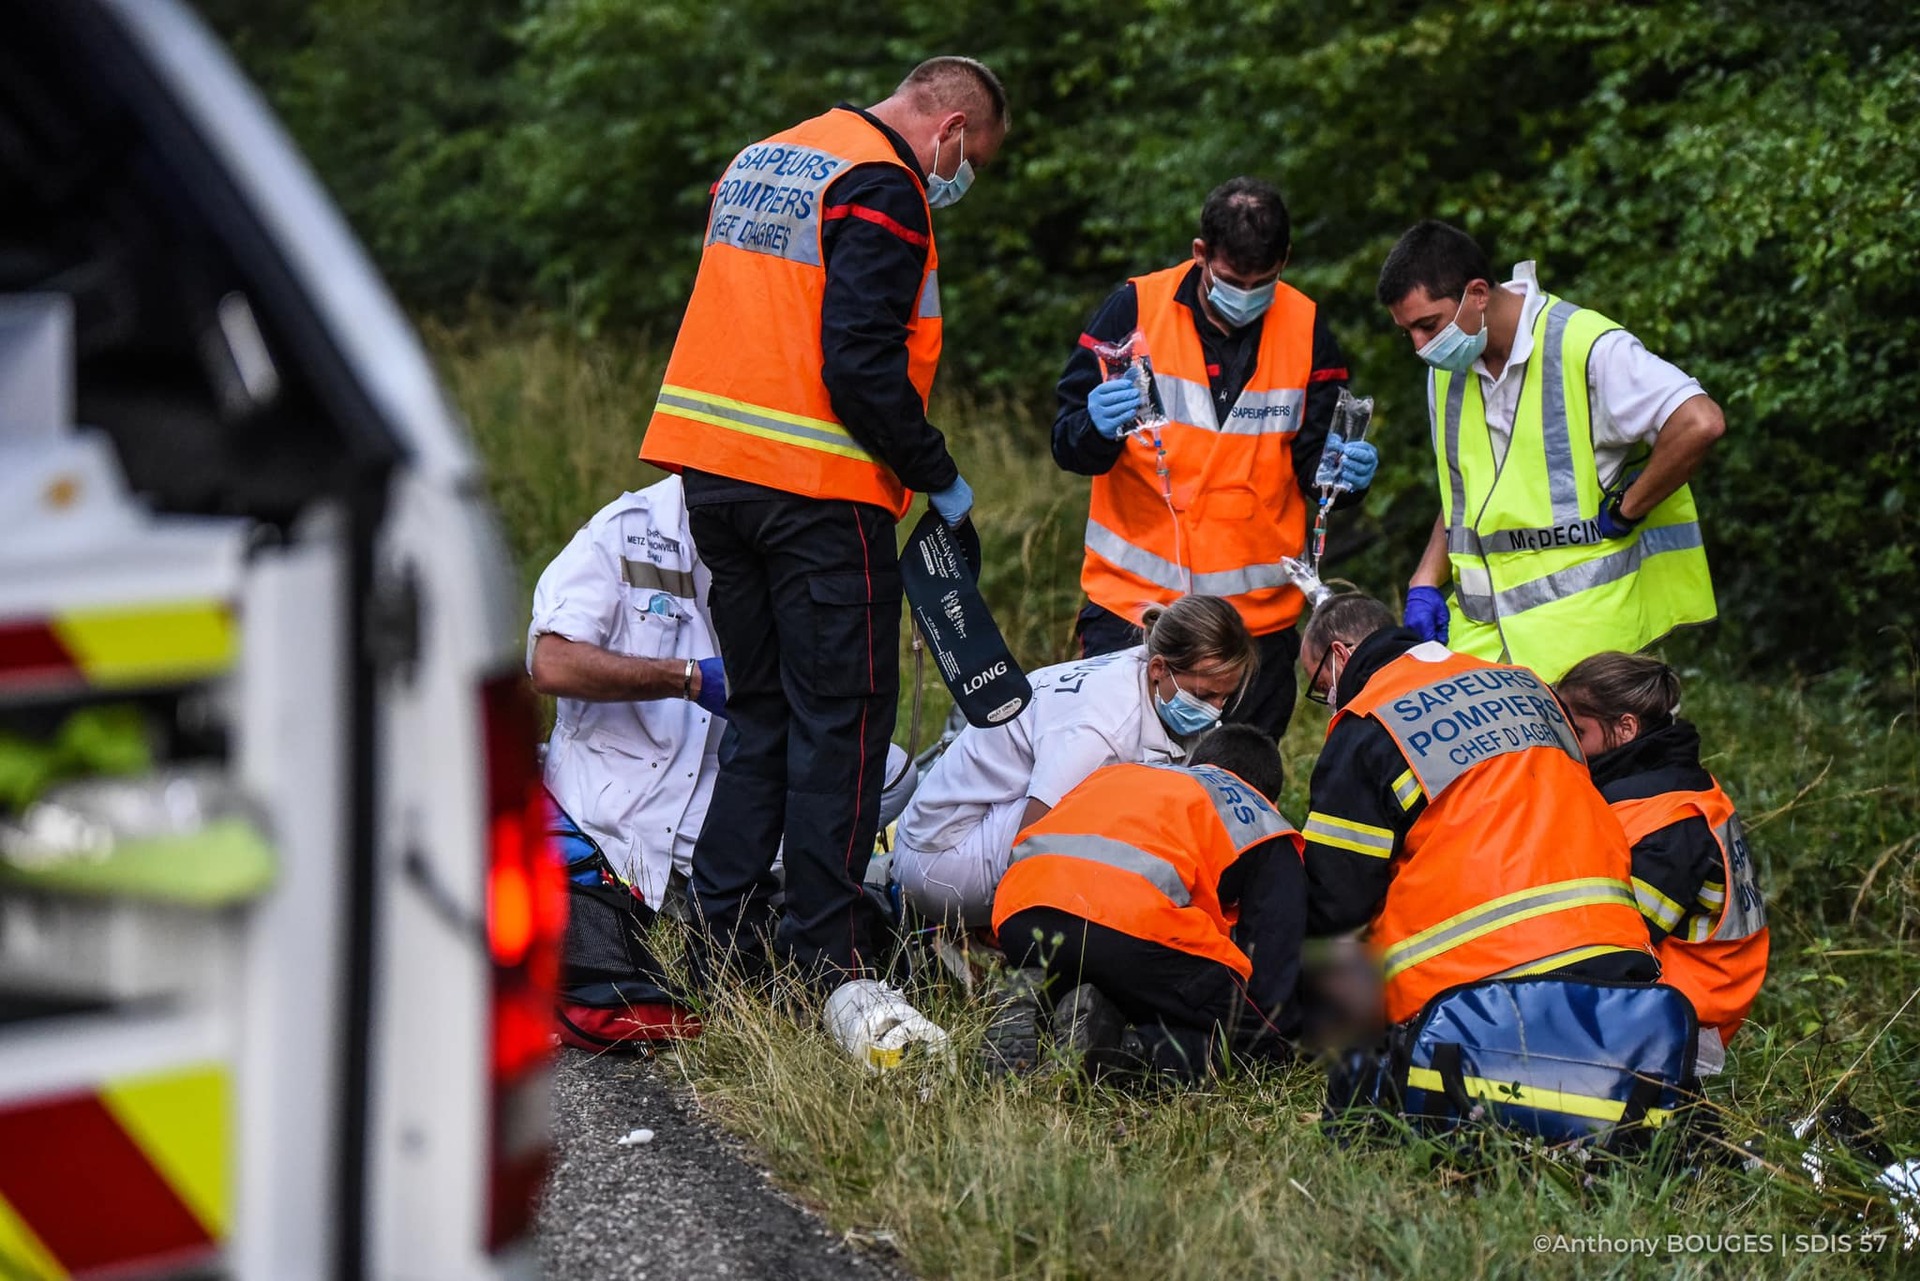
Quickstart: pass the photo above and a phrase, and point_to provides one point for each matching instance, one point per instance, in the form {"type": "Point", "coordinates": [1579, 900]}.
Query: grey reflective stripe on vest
{"type": "Point", "coordinates": [930, 296]}
{"type": "Point", "coordinates": [1745, 912]}
{"type": "Point", "coordinates": [1562, 484]}
{"type": "Point", "coordinates": [1185, 401]}
{"type": "Point", "coordinates": [1248, 816]}
{"type": "Point", "coordinates": [713, 407]}
{"type": "Point", "coordinates": [658, 578]}
{"type": "Point", "coordinates": [1448, 726]}
{"type": "Point", "coordinates": [1162, 572]}
{"type": "Point", "coordinates": [1162, 875]}
{"type": "Point", "coordinates": [1458, 526]}
{"type": "Point", "coordinates": [1258, 413]}
{"type": "Point", "coordinates": [769, 201]}
{"type": "Point", "coordinates": [1575, 579]}
{"type": "Point", "coordinates": [1511, 909]}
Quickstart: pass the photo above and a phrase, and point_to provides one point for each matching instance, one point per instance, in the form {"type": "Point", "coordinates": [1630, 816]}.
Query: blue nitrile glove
{"type": "Point", "coordinates": [1358, 462]}
{"type": "Point", "coordinates": [1612, 523]}
{"type": "Point", "coordinates": [1114, 406]}
{"type": "Point", "coordinates": [1427, 613]}
{"type": "Point", "coordinates": [954, 502]}
{"type": "Point", "coordinates": [713, 686]}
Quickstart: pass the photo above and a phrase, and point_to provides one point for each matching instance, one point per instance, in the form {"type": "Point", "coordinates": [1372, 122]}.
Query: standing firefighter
{"type": "Point", "coordinates": [795, 407]}
{"type": "Point", "coordinates": [1563, 449]}
{"type": "Point", "coordinates": [1248, 374]}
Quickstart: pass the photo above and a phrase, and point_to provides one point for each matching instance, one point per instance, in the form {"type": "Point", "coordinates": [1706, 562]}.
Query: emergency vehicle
{"type": "Point", "coordinates": [276, 965]}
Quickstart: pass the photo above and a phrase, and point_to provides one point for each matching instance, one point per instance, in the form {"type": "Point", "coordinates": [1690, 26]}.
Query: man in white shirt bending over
{"type": "Point", "coordinates": [1563, 448]}
{"type": "Point", "coordinates": [1143, 705]}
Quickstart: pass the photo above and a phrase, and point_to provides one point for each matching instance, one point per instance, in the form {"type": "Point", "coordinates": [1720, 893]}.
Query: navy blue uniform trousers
{"type": "Point", "coordinates": [806, 605]}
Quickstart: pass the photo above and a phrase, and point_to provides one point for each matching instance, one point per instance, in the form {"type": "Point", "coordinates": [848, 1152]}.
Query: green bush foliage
{"type": "Point", "coordinates": [1733, 181]}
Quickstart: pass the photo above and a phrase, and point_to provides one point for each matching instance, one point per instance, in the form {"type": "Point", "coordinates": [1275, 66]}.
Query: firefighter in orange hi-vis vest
{"type": "Point", "coordinates": [1693, 875]}
{"type": "Point", "coordinates": [1451, 814]}
{"type": "Point", "coordinates": [795, 408]}
{"type": "Point", "coordinates": [1247, 375]}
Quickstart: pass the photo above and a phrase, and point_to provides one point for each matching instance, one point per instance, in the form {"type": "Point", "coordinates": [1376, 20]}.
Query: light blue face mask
{"type": "Point", "coordinates": [1452, 350]}
{"type": "Point", "coordinates": [1239, 306]}
{"type": "Point", "coordinates": [1184, 714]}
{"type": "Point", "coordinates": [942, 192]}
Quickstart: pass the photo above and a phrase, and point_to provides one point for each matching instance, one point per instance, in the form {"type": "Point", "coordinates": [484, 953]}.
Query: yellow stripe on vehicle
{"type": "Point", "coordinates": [22, 1254]}
{"type": "Point", "coordinates": [1532, 1096]}
{"type": "Point", "coordinates": [150, 643]}
{"type": "Point", "coordinates": [180, 1122]}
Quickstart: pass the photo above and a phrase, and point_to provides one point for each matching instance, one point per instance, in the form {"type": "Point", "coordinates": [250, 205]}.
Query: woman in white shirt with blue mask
{"type": "Point", "coordinates": [1141, 705]}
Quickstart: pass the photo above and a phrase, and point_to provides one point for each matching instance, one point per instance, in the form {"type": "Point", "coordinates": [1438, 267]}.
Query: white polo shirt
{"type": "Point", "coordinates": [636, 776]}
{"type": "Point", "coordinates": [1632, 391]}
{"type": "Point", "coordinates": [1084, 715]}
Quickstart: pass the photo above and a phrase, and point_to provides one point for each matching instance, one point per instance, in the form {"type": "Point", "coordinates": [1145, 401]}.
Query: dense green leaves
{"type": "Point", "coordinates": [1734, 181]}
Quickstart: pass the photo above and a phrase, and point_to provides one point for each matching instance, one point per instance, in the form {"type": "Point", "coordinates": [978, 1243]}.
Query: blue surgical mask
{"type": "Point", "coordinates": [1184, 714]}
{"type": "Point", "coordinates": [942, 192]}
{"type": "Point", "coordinates": [1452, 350]}
{"type": "Point", "coordinates": [1239, 306]}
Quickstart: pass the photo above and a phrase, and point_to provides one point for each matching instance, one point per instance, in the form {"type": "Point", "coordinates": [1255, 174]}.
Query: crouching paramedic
{"type": "Point", "coordinates": [1118, 903]}
{"type": "Point", "coordinates": [1692, 873]}
{"type": "Point", "coordinates": [1451, 810]}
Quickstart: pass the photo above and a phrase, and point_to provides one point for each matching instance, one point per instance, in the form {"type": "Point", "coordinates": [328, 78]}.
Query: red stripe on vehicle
{"type": "Point", "coordinates": [33, 649]}
{"type": "Point", "coordinates": [1326, 375]}
{"type": "Point", "coordinates": [88, 1191]}
{"type": "Point", "coordinates": [917, 239]}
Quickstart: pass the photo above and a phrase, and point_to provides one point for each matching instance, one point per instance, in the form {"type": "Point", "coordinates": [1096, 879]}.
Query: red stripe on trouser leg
{"type": "Point", "coordinates": [88, 1191]}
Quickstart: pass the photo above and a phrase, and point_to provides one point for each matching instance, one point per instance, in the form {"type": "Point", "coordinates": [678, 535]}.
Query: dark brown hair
{"type": "Point", "coordinates": [1609, 686]}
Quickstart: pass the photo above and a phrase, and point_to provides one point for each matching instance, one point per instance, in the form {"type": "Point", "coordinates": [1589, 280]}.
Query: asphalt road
{"type": "Point", "coordinates": [688, 1206]}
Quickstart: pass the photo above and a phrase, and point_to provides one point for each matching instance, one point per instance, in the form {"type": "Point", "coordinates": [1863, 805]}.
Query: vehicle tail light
{"type": "Point", "coordinates": [526, 921]}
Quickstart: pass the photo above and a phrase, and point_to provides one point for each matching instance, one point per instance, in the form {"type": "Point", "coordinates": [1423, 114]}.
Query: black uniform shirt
{"type": "Point", "coordinates": [875, 234]}
{"type": "Point", "coordinates": [1680, 858]}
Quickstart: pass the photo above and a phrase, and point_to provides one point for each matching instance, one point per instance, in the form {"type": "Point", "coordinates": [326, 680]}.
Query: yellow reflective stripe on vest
{"type": "Point", "coordinates": [1157, 871]}
{"type": "Point", "coordinates": [759, 420]}
{"type": "Point", "coordinates": [1515, 1094]}
{"type": "Point", "coordinates": [1559, 960]}
{"type": "Point", "coordinates": [1509, 909]}
{"type": "Point", "coordinates": [1544, 590]}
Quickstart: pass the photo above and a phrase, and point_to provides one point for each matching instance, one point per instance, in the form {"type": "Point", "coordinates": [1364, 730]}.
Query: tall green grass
{"type": "Point", "coordinates": [1047, 1178]}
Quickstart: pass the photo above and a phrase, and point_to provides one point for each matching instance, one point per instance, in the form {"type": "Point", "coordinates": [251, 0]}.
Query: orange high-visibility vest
{"type": "Point", "coordinates": [1235, 509]}
{"type": "Point", "coordinates": [743, 396]}
{"type": "Point", "coordinates": [1141, 849]}
{"type": "Point", "coordinates": [1716, 949]}
{"type": "Point", "coordinates": [1516, 866]}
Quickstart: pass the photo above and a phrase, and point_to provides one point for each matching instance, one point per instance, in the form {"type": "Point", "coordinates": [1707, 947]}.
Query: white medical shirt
{"type": "Point", "coordinates": [636, 776]}
{"type": "Point", "coordinates": [1084, 715]}
{"type": "Point", "coordinates": [1632, 391]}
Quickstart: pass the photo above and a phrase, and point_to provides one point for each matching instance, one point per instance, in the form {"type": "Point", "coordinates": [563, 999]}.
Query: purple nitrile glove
{"type": "Point", "coordinates": [1427, 613]}
{"type": "Point", "coordinates": [713, 686]}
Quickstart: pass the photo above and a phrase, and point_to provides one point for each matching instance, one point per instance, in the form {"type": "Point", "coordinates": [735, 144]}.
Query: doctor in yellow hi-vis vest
{"type": "Point", "coordinates": [1563, 448]}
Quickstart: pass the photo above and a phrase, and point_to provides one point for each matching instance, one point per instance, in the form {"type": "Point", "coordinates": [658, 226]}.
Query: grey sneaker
{"type": "Point", "coordinates": [1089, 1029]}
{"type": "Point", "coordinates": [1012, 1044]}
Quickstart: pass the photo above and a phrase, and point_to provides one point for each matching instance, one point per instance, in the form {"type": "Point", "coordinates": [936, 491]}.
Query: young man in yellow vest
{"type": "Point", "coordinates": [1563, 448]}
{"type": "Point", "coordinates": [1451, 814]}
{"type": "Point", "coordinates": [1248, 374]}
{"type": "Point", "coordinates": [795, 407]}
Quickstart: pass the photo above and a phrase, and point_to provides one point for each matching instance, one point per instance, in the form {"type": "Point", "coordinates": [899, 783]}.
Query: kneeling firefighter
{"type": "Point", "coordinates": [1452, 814]}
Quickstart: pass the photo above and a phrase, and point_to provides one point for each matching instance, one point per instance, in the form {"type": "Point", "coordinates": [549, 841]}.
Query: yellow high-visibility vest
{"type": "Point", "coordinates": [1534, 581]}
